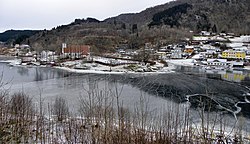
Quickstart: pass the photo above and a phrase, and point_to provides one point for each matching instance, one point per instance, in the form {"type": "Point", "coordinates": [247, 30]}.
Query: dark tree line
{"type": "Point", "coordinates": [170, 16]}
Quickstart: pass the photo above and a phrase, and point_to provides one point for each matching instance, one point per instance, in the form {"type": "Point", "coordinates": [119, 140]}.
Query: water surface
{"type": "Point", "coordinates": [225, 92]}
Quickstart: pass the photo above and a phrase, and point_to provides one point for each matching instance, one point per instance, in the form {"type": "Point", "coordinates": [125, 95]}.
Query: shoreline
{"type": "Point", "coordinates": [117, 70]}
{"type": "Point", "coordinates": [105, 69]}
{"type": "Point", "coordinates": [110, 72]}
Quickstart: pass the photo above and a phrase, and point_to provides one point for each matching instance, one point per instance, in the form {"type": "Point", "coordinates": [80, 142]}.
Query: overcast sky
{"type": "Point", "coordinates": [46, 14]}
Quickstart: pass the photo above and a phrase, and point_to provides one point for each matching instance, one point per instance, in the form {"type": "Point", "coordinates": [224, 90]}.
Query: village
{"type": "Point", "coordinates": [208, 51]}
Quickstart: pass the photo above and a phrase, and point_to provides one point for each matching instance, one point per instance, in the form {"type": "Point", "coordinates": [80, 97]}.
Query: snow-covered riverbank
{"type": "Point", "coordinates": [181, 62]}
{"type": "Point", "coordinates": [78, 67]}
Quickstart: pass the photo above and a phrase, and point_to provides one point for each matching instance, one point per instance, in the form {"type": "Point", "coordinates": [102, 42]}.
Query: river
{"type": "Point", "coordinates": [226, 92]}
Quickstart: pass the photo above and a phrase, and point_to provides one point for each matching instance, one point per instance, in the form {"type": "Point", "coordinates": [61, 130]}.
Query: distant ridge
{"type": "Point", "coordinates": [16, 36]}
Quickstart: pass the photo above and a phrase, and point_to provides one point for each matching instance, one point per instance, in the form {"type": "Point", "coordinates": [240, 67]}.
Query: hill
{"type": "Point", "coordinates": [159, 25]}
{"type": "Point", "coordinates": [16, 36]}
{"type": "Point", "coordinates": [213, 15]}
{"type": "Point", "coordinates": [144, 16]}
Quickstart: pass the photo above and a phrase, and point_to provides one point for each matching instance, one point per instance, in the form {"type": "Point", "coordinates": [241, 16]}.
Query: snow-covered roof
{"type": "Point", "coordinates": [23, 46]}
{"type": "Point", "coordinates": [208, 47]}
{"type": "Point", "coordinates": [237, 62]}
{"type": "Point", "coordinates": [218, 60]}
{"type": "Point", "coordinates": [189, 47]}
{"type": "Point", "coordinates": [197, 56]}
{"type": "Point", "coordinates": [241, 48]}
{"type": "Point", "coordinates": [231, 50]}
{"type": "Point", "coordinates": [219, 38]}
{"type": "Point", "coordinates": [201, 38]}
{"type": "Point", "coordinates": [235, 44]}
{"type": "Point", "coordinates": [205, 33]}
{"type": "Point", "coordinates": [245, 38]}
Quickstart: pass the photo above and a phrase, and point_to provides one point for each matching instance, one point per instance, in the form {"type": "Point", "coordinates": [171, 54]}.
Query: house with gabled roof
{"type": "Point", "coordinates": [75, 51]}
{"type": "Point", "coordinates": [217, 62]}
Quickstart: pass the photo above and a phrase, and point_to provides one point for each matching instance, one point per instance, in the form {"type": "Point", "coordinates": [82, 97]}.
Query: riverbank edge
{"type": "Point", "coordinates": [164, 71]}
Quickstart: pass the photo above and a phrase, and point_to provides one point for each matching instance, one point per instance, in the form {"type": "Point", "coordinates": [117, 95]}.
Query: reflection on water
{"type": "Point", "coordinates": [235, 76]}
{"type": "Point", "coordinates": [23, 71]}
{"type": "Point", "coordinates": [232, 75]}
{"type": "Point", "coordinates": [22, 74]}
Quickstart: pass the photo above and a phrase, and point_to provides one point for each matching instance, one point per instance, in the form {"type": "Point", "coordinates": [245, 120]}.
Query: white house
{"type": "Point", "coordinates": [22, 49]}
{"type": "Point", "coordinates": [176, 53]}
{"type": "Point", "coordinates": [217, 62]}
{"type": "Point", "coordinates": [47, 56]}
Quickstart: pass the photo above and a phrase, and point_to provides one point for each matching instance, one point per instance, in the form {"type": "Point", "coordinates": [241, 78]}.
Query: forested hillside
{"type": "Point", "coordinates": [16, 36]}
{"type": "Point", "coordinates": [209, 15]}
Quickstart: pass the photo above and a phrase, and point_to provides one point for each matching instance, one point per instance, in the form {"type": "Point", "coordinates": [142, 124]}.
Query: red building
{"type": "Point", "coordinates": [75, 51]}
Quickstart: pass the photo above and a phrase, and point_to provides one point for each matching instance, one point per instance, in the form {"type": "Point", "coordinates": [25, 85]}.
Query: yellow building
{"type": "Point", "coordinates": [189, 50]}
{"type": "Point", "coordinates": [232, 54]}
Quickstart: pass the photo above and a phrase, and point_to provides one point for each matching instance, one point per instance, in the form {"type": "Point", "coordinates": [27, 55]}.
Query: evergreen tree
{"type": "Point", "coordinates": [214, 29]}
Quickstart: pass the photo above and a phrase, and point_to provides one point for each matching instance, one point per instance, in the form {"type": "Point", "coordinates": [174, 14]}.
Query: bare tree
{"type": "Point", "coordinates": [60, 109]}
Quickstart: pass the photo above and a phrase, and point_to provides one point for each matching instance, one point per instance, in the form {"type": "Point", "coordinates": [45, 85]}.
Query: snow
{"type": "Point", "coordinates": [235, 45]}
{"type": "Point", "coordinates": [183, 62]}
{"type": "Point", "coordinates": [78, 66]}
{"type": "Point", "coordinates": [220, 60]}
{"type": "Point", "coordinates": [113, 61]}
{"type": "Point", "coordinates": [241, 39]}
{"type": "Point", "coordinates": [89, 71]}
{"type": "Point", "coordinates": [247, 67]}
{"type": "Point", "coordinates": [201, 38]}
{"type": "Point", "coordinates": [101, 69]}
{"type": "Point", "coordinates": [198, 56]}
{"type": "Point", "coordinates": [208, 47]}
{"type": "Point", "coordinates": [122, 66]}
{"type": "Point", "coordinates": [7, 61]}
{"type": "Point", "coordinates": [218, 38]}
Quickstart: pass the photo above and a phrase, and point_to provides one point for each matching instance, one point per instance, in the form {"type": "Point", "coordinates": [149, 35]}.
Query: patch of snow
{"type": "Point", "coordinates": [182, 62]}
